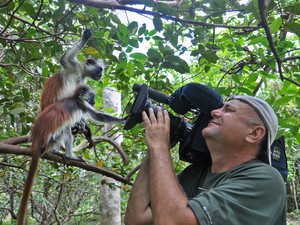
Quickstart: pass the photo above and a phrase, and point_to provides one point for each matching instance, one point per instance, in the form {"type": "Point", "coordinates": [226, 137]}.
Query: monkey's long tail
{"type": "Point", "coordinates": [34, 164]}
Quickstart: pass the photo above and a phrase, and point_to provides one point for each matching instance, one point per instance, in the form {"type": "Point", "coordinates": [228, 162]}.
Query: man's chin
{"type": "Point", "coordinates": [208, 131]}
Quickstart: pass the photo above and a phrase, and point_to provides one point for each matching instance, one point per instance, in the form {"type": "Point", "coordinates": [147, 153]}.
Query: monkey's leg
{"type": "Point", "coordinates": [68, 142]}
{"type": "Point", "coordinates": [56, 143]}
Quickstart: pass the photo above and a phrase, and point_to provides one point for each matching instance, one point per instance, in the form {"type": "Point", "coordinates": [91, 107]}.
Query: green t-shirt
{"type": "Point", "coordinates": [249, 194]}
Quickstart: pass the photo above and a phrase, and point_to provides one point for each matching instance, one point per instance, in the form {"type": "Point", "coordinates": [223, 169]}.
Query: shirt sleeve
{"type": "Point", "coordinates": [244, 198]}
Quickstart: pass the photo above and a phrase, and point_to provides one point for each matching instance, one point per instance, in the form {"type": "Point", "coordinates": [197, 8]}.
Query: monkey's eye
{"type": "Point", "coordinates": [90, 62]}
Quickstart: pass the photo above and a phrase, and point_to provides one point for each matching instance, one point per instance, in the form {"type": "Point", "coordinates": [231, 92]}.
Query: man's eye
{"type": "Point", "coordinates": [228, 109]}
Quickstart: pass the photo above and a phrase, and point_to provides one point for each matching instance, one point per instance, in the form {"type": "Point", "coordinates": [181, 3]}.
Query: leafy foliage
{"type": "Point", "coordinates": [215, 42]}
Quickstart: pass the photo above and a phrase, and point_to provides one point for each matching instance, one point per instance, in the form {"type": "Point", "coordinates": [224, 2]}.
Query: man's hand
{"type": "Point", "coordinates": [157, 129]}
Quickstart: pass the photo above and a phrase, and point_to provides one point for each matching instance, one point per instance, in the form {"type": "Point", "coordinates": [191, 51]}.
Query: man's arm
{"type": "Point", "coordinates": [138, 208]}
{"type": "Point", "coordinates": [169, 204]}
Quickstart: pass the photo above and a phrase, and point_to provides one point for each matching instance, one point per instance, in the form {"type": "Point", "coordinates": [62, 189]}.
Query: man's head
{"type": "Point", "coordinates": [243, 122]}
{"type": "Point", "coordinates": [266, 114]}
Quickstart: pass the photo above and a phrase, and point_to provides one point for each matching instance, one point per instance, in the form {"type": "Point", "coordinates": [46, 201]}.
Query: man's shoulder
{"type": "Point", "coordinates": [257, 167]}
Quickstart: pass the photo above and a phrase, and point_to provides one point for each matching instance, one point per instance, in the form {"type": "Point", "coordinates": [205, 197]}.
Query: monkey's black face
{"type": "Point", "coordinates": [96, 73]}
{"type": "Point", "coordinates": [95, 70]}
{"type": "Point", "coordinates": [86, 94]}
{"type": "Point", "coordinates": [91, 100]}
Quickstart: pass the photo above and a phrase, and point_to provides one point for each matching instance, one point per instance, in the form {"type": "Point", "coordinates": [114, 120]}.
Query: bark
{"type": "Point", "coordinates": [110, 197]}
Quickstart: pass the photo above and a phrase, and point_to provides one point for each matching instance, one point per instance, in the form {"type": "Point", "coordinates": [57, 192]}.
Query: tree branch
{"type": "Point", "coordinates": [105, 139]}
{"type": "Point", "coordinates": [29, 23]}
{"type": "Point", "coordinates": [117, 5]}
{"type": "Point", "coordinates": [262, 10]}
{"type": "Point", "coordinates": [7, 147]}
{"type": "Point", "coordinates": [4, 4]}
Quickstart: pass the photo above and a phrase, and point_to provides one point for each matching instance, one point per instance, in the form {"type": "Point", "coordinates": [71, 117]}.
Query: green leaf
{"type": "Point", "coordinates": [283, 101]}
{"type": "Point", "coordinates": [152, 53]}
{"type": "Point", "coordinates": [210, 56]}
{"type": "Point", "coordinates": [115, 18]}
{"type": "Point", "coordinates": [157, 22]}
{"type": "Point", "coordinates": [133, 26]}
{"type": "Point", "coordinates": [138, 56]}
{"type": "Point", "coordinates": [130, 68]}
{"type": "Point", "coordinates": [165, 9]}
{"type": "Point", "coordinates": [293, 28]}
{"type": "Point", "coordinates": [236, 78]}
{"type": "Point", "coordinates": [142, 29]}
{"type": "Point", "coordinates": [252, 78]}
{"type": "Point", "coordinates": [176, 63]}
{"type": "Point", "coordinates": [91, 51]}
{"type": "Point", "coordinates": [275, 25]}
{"type": "Point", "coordinates": [28, 8]}
{"type": "Point", "coordinates": [257, 40]}
{"type": "Point", "coordinates": [294, 9]}
{"type": "Point", "coordinates": [17, 111]}
{"type": "Point", "coordinates": [26, 94]}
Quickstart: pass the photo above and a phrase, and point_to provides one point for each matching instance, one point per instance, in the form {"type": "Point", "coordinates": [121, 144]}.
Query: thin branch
{"type": "Point", "coordinates": [169, 3]}
{"type": "Point", "coordinates": [290, 58]}
{"type": "Point", "coordinates": [29, 23]}
{"type": "Point", "coordinates": [9, 22]}
{"type": "Point", "coordinates": [115, 5]}
{"type": "Point", "coordinates": [133, 171]}
{"type": "Point", "coordinates": [262, 10]}
{"type": "Point", "coordinates": [4, 4]}
{"type": "Point", "coordinates": [20, 67]}
{"type": "Point", "coordinates": [105, 139]}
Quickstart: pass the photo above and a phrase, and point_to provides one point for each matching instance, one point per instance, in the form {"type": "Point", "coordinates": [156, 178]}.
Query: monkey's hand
{"type": "Point", "coordinates": [79, 127]}
{"type": "Point", "coordinates": [86, 35]}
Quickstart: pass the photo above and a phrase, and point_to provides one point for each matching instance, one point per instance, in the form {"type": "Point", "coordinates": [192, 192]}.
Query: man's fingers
{"type": "Point", "coordinates": [166, 117]}
{"type": "Point", "coordinates": [145, 118]}
{"type": "Point", "coordinates": [152, 116]}
{"type": "Point", "coordinates": [160, 117]}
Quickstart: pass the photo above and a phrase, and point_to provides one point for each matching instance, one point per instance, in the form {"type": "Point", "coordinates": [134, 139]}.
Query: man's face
{"type": "Point", "coordinates": [229, 123]}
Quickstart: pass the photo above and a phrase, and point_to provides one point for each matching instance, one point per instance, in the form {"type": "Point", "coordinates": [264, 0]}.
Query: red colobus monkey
{"type": "Point", "coordinates": [52, 131]}
{"type": "Point", "coordinates": [72, 74]}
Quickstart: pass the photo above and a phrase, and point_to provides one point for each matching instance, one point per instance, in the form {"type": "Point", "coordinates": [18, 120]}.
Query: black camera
{"type": "Point", "coordinates": [196, 98]}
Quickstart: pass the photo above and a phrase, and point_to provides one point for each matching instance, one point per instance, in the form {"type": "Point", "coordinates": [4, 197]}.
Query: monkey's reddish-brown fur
{"type": "Point", "coordinates": [51, 90]}
{"type": "Point", "coordinates": [47, 123]}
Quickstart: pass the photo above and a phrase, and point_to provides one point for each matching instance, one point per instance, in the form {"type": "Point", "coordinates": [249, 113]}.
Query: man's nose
{"type": "Point", "coordinates": [215, 112]}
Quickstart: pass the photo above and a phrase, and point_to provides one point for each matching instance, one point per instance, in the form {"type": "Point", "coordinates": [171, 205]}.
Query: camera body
{"type": "Point", "coordinates": [196, 98]}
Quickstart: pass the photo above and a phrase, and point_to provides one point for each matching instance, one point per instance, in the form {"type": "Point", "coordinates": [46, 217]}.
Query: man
{"type": "Point", "coordinates": [238, 187]}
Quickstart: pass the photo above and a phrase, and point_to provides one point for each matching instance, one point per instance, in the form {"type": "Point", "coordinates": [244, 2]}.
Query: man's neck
{"type": "Point", "coordinates": [224, 162]}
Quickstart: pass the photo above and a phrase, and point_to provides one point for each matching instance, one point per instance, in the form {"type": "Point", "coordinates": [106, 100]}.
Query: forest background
{"type": "Point", "coordinates": [235, 47]}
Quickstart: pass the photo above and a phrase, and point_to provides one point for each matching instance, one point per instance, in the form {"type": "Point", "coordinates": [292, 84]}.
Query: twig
{"type": "Point", "coordinates": [262, 10]}
{"type": "Point", "coordinates": [115, 5]}
{"type": "Point", "coordinates": [106, 139]}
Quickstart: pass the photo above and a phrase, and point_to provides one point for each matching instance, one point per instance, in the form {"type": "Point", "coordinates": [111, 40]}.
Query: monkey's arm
{"type": "Point", "coordinates": [103, 117]}
{"type": "Point", "coordinates": [69, 58]}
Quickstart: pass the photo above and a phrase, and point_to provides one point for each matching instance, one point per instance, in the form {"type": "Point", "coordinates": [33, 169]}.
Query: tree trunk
{"type": "Point", "coordinates": [110, 198]}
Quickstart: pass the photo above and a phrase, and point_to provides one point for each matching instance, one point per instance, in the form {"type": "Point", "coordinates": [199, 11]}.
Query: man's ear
{"type": "Point", "coordinates": [256, 134]}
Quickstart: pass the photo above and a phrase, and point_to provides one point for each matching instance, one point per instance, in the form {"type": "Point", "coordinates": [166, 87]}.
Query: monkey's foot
{"type": "Point", "coordinates": [75, 157]}
{"type": "Point", "coordinates": [59, 154]}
